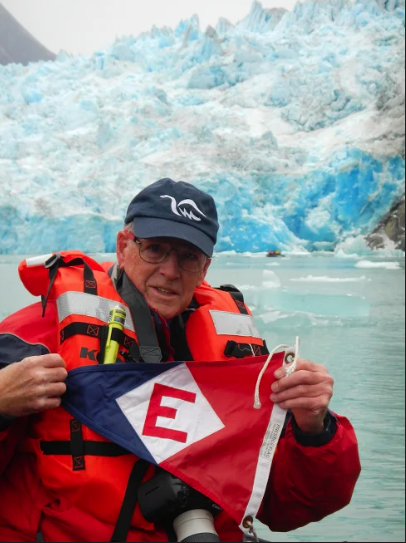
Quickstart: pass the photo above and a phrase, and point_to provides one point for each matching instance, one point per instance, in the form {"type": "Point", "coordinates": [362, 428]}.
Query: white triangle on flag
{"type": "Point", "coordinates": [187, 419]}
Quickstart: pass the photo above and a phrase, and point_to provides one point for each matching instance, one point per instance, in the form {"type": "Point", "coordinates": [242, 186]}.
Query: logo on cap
{"type": "Point", "coordinates": [179, 211]}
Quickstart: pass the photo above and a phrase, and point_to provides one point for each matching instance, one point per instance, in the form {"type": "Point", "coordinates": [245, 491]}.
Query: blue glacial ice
{"type": "Point", "coordinates": [264, 298]}
{"type": "Point", "coordinates": [293, 121]}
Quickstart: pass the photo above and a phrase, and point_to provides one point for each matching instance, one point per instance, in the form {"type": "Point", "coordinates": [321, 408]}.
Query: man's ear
{"type": "Point", "coordinates": [204, 274]}
{"type": "Point", "coordinates": [122, 244]}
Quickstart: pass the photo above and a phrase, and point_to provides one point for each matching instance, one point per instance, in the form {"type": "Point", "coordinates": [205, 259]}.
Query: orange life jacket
{"type": "Point", "coordinates": [75, 462]}
{"type": "Point", "coordinates": [222, 328]}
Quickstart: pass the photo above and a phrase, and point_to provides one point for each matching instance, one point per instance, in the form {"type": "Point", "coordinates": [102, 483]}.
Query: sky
{"type": "Point", "coordinates": [86, 26]}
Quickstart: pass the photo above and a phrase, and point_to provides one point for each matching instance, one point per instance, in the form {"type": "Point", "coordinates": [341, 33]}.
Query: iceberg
{"type": "Point", "coordinates": [368, 265]}
{"type": "Point", "coordinates": [283, 320]}
{"type": "Point", "coordinates": [263, 298]}
{"type": "Point", "coordinates": [293, 121]}
{"type": "Point", "coordinates": [326, 279]}
{"type": "Point", "coordinates": [270, 280]}
{"type": "Point", "coordinates": [356, 247]}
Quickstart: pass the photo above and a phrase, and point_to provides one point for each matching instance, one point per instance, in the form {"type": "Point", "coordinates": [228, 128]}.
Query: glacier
{"type": "Point", "coordinates": [293, 121]}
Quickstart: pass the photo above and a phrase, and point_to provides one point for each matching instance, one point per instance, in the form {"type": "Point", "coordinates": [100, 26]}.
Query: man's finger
{"type": "Point", "coordinates": [56, 375]}
{"type": "Point", "coordinates": [55, 390]}
{"type": "Point", "coordinates": [52, 361]}
{"type": "Point", "coordinates": [301, 365]}
{"type": "Point", "coordinates": [302, 391]}
{"type": "Point", "coordinates": [308, 404]}
{"type": "Point", "coordinates": [298, 378]}
{"type": "Point", "coordinates": [50, 403]}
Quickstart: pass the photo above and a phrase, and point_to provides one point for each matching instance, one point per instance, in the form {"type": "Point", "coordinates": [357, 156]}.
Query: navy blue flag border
{"type": "Point", "coordinates": [127, 378]}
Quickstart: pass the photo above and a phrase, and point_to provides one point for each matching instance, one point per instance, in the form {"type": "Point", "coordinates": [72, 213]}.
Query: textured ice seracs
{"type": "Point", "coordinates": [293, 121]}
{"type": "Point", "coordinates": [261, 20]}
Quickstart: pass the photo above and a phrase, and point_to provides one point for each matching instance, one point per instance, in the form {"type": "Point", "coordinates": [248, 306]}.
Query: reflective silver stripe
{"type": "Point", "coordinates": [234, 324]}
{"type": "Point", "coordinates": [88, 305]}
{"type": "Point", "coordinates": [37, 260]}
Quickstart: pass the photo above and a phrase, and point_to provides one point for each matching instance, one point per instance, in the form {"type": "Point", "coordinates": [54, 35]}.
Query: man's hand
{"type": "Point", "coordinates": [307, 392]}
{"type": "Point", "coordinates": [33, 385]}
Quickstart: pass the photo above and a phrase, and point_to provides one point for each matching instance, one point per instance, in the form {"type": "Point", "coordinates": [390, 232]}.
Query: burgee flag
{"type": "Point", "coordinates": [196, 420]}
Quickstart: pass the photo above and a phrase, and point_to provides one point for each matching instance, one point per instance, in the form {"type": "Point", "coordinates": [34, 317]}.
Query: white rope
{"type": "Point", "coordinates": [289, 371]}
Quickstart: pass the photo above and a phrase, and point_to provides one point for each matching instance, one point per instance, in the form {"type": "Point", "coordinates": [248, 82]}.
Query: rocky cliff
{"type": "Point", "coordinates": [391, 227]}
{"type": "Point", "coordinates": [17, 45]}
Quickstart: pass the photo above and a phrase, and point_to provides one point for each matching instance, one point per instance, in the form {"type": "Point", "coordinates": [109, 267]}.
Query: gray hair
{"type": "Point", "coordinates": [129, 227]}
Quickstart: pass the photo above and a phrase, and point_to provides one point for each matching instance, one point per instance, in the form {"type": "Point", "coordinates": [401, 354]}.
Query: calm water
{"type": "Point", "coordinates": [353, 321]}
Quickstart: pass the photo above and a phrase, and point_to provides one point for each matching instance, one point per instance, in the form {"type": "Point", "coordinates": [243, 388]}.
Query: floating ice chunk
{"type": "Point", "coordinates": [295, 320]}
{"type": "Point", "coordinates": [240, 255]}
{"type": "Point", "coordinates": [351, 256]}
{"type": "Point", "coordinates": [270, 284]}
{"type": "Point", "coordinates": [299, 320]}
{"type": "Point", "coordinates": [313, 279]}
{"type": "Point", "coordinates": [357, 246]}
{"type": "Point", "coordinates": [343, 306]}
{"type": "Point", "coordinates": [368, 265]}
{"type": "Point", "coordinates": [298, 252]}
{"type": "Point", "coordinates": [270, 279]}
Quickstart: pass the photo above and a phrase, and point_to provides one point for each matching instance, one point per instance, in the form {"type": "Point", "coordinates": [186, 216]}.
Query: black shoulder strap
{"type": "Point", "coordinates": [237, 296]}
{"type": "Point", "coordinates": [149, 348]}
{"type": "Point", "coordinates": [130, 502]}
{"type": "Point", "coordinates": [242, 350]}
{"type": "Point", "coordinates": [179, 341]}
{"type": "Point", "coordinates": [178, 333]}
{"type": "Point", "coordinates": [55, 263]}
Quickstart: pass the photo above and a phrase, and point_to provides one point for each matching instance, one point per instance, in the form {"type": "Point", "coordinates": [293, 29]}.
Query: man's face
{"type": "Point", "coordinates": [166, 287]}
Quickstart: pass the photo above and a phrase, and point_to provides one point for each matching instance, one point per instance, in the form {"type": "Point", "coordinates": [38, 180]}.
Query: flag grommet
{"type": "Point", "coordinates": [289, 358]}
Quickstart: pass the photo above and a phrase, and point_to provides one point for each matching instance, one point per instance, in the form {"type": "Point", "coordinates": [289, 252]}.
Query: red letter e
{"type": "Point", "coordinates": [157, 410]}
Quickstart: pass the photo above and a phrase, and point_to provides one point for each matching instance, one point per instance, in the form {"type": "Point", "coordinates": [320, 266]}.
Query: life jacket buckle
{"type": "Point", "coordinates": [51, 262]}
{"type": "Point", "coordinates": [238, 350]}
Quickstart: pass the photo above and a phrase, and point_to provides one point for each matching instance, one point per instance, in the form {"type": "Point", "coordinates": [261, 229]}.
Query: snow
{"type": "Point", "coordinates": [293, 121]}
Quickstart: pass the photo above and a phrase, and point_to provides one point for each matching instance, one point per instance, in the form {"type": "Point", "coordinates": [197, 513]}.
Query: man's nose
{"type": "Point", "coordinates": [170, 266]}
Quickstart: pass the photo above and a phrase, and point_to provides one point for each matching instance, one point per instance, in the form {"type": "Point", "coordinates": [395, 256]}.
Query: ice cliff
{"type": "Point", "coordinates": [293, 121]}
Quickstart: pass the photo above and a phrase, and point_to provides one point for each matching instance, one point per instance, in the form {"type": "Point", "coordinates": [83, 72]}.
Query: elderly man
{"type": "Point", "coordinates": [163, 255]}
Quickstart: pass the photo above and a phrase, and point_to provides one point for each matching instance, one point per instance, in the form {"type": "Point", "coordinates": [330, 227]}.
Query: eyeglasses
{"type": "Point", "coordinates": [154, 251]}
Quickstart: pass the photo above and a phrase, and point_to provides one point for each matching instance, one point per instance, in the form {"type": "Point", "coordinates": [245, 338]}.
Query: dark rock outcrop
{"type": "Point", "coordinates": [17, 45]}
{"type": "Point", "coordinates": [392, 227]}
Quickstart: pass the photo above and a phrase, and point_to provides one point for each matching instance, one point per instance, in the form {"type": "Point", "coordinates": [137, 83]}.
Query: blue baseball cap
{"type": "Point", "coordinates": [169, 209]}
